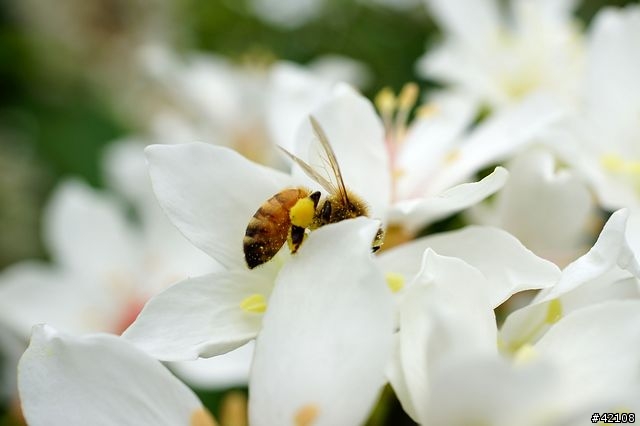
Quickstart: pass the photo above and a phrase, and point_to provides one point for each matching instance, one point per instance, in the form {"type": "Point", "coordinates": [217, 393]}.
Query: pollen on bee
{"type": "Point", "coordinates": [256, 304]}
{"type": "Point", "coordinates": [301, 214]}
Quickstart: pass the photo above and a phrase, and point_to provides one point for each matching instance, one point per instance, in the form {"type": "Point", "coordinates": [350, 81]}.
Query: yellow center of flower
{"type": "Point", "coordinates": [306, 415]}
{"type": "Point", "coordinates": [301, 214]}
{"type": "Point", "coordinates": [551, 316]}
{"type": "Point", "coordinates": [554, 311]}
{"type": "Point", "coordinates": [255, 304]}
{"type": "Point", "coordinates": [394, 281]}
{"type": "Point", "coordinates": [525, 354]}
{"type": "Point", "coordinates": [201, 417]}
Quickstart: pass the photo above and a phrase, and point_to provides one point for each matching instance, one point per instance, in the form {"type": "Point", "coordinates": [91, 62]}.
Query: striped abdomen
{"type": "Point", "coordinates": [269, 227]}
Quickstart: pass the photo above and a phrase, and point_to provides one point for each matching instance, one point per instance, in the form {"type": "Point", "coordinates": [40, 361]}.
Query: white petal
{"type": "Point", "coordinates": [488, 390]}
{"type": "Point", "coordinates": [341, 68]}
{"type": "Point", "coordinates": [356, 134]}
{"type": "Point", "coordinates": [502, 259]}
{"type": "Point", "coordinates": [33, 293]}
{"type": "Point", "coordinates": [87, 231]}
{"type": "Point", "coordinates": [474, 23]}
{"type": "Point", "coordinates": [430, 140]}
{"type": "Point", "coordinates": [545, 209]}
{"type": "Point", "coordinates": [611, 250]}
{"type": "Point", "coordinates": [499, 137]}
{"type": "Point", "coordinates": [613, 102]}
{"type": "Point", "coordinates": [210, 193]}
{"type": "Point", "coordinates": [219, 372]}
{"type": "Point", "coordinates": [414, 214]}
{"type": "Point", "coordinates": [293, 93]}
{"type": "Point", "coordinates": [99, 380]}
{"type": "Point", "coordinates": [597, 347]}
{"type": "Point", "coordinates": [608, 271]}
{"type": "Point", "coordinates": [126, 169]}
{"type": "Point", "coordinates": [445, 314]}
{"type": "Point", "coordinates": [327, 334]}
{"type": "Point", "coordinates": [201, 316]}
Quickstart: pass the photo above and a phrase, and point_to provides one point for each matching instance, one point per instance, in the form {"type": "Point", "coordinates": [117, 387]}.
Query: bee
{"type": "Point", "coordinates": [288, 215]}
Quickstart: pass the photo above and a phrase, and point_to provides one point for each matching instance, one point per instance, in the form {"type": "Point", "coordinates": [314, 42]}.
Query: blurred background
{"type": "Point", "coordinates": [77, 75]}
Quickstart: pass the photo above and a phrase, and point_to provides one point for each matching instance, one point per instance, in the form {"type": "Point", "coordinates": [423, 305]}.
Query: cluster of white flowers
{"type": "Point", "coordinates": [518, 318]}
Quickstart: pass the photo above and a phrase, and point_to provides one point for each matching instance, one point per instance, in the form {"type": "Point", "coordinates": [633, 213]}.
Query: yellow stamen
{"type": "Point", "coordinates": [306, 415]}
{"type": "Point", "coordinates": [553, 315]}
{"type": "Point", "coordinates": [386, 101]}
{"type": "Point", "coordinates": [427, 110]}
{"type": "Point", "coordinates": [394, 281]}
{"type": "Point", "coordinates": [525, 354]}
{"type": "Point", "coordinates": [201, 417]}
{"type": "Point", "coordinates": [612, 162]}
{"type": "Point", "coordinates": [233, 409]}
{"type": "Point", "coordinates": [615, 163]}
{"type": "Point", "coordinates": [554, 311]}
{"type": "Point", "coordinates": [408, 96]}
{"type": "Point", "coordinates": [301, 214]}
{"type": "Point", "coordinates": [255, 304]}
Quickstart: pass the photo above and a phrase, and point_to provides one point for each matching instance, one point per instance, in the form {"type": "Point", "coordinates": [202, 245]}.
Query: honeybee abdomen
{"type": "Point", "coordinates": [268, 229]}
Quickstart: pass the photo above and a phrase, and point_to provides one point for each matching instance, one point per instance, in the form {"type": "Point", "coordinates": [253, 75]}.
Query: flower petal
{"type": "Point", "coordinates": [102, 380]}
{"type": "Point", "coordinates": [210, 193]}
{"type": "Point", "coordinates": [545, 208]}
{"type": "Point", "coordinates": [414, 214]}
{"type": "Point", "coordinates": [507, 265]}
{"type": "Point", "coordinates": [446, 314]}
{"type": "Point", "coordinates": [327, 334]}
{"type": "Point", "coordinates": [597, 347]}
{"type": "Point", "coordinates": [87, 231]}
{"type": "Point", "coordinates": [293, 93]}
{"type": "Point", "coordinates": [499, 137]}
{"type": "Point", "coordinates": [33, 292]}
{"type": "Point", "coordinates": [472, 23]}
{"type": "Point", "coordinates": [219, 372]}
{"type": "Point", "coordinates": [356, 134]}
{"type": "Point", "coordinates": [608, 271]}
{"type": "Point", "coordinates": [201, 317]}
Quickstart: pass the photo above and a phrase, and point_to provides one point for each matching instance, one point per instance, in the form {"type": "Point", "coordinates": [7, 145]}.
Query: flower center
{"type": "Point", "coordinates": [306, 415]}
{"type": "Point", "coordinates": [201, 417]}
{"type": "Point", "coordinates": [628, 170]}
{"type": "Point", "coordinates": [551, 316]}
{"type": "Point", "coordinates": [255, 304]}
{"type": "Point", "coordinates": [395, 112]}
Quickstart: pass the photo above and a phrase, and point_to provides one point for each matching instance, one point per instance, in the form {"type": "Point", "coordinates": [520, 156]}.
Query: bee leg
{"type": "Point", "coordinates": [325, 214]}
{"type": "Point", "coordinates": [315, 197]}
{"type": "Point", "coordinates": [296, 236]}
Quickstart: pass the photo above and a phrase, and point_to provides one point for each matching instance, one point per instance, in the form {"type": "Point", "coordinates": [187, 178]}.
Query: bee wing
{"type": "Point", "coordinates": [328, 186]}
{"type": "Point", "coordinates": [339, 187]}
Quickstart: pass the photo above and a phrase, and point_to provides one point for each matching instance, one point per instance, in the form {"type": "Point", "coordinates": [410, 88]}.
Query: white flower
{"type": "Point", "coordinates": [330, 312]}
{"type": "Point", "coordinates": [500, 57]}
{"type": "Point", "coordinates": [609, 271]}
{"type": "Point", "coordinates": [607, 131]}
{"type": "Point", "coordinates": [420, 170]}
{"type": "Point", "coordinates": [546, 207]}
{"type": "Point", "coordinates": [104, 270]}
{"type": "Point", "coordinates": [448, 368]}
{"type": "Point", "coordinates": [101, 379]}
